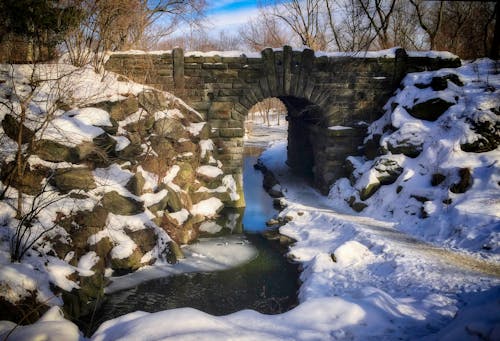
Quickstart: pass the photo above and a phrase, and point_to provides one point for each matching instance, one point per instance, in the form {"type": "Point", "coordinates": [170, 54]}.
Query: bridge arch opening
{"type": "Point", "coordinates": [300, 118]}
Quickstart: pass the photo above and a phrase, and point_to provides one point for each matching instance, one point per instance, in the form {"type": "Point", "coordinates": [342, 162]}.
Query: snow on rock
{"type": "Point", "coordinates": [210, 172]}
{"type": "Point", "coordinates": [59, 271]}
{"type": "Point", "coordinates": [208, 208]}
{"type": "Point", "coordinates": [121, 142]}
{"type": "Point", "coordinates": [180, 216]}
{"type": "Point", "coordinates": [210, 227]}
{"type": "Point", "coordinates": [86, 262]}
{"type": "Point", "coordinates": [70, 130]}
{"type": "Point", "coordinates": [206, 146]}
{"type": "Point", "coordinates": [195, 128]}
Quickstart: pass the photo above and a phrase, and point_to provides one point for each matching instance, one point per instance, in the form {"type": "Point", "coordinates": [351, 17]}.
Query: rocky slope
{"type": "Point", "coordinates": [431, 161]}
{"type": "Point", "coordinates": [119, 174]}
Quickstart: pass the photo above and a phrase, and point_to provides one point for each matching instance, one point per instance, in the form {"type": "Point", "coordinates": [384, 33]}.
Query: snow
{"type": "Point", "coordinates": [70, 130]}
{"type": "Point", "coordinates": [210, 227]}
{"type": "Point", "coordinates": [206, 146]}
{"type": "Point", "coordinates": [180, 216]}
{"type": "Point", "coordinates": [121, 142]}
{"type": "Point", "coordinates": [389, 53]}
{"type": "Point", "coordinates": [208, 207]}
{"type": "Point", "coordinates": [52, 326]}
{"type": "Point", "coordinates": [195, 128]}
{"type": "Point", "coordinates": [170, 113]}
{"type": "Point", "coordinates": [86, 262]}
{"type": "Point", "coordinates": [59, 271]}
{"type": "Point", "coordinates": [372, 275]}
{"type": "Point", "coordinates": [223, 54]}
{"type": "Point", "coordinates": [469, 220]}
{"type": "Point", "coordinates": [210, 172]}
{"type": "Point", "coordinates": [335, 128]}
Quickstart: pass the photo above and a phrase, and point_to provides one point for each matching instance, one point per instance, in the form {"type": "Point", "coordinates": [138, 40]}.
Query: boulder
{"type": "Point", "coordinates": [356, 205]}
{"type": "Point", "coordinates": [102, 248]}
{"type": "Point", "coordinates": [388, 170]}
{"type": "Point", "coordinates": [174, 200]}
{"type": "Point", "coordinates": [106, 143]}
{"type": "Point", "coordinates": [145, 239]}
{"type": "Point", "coordinates": [464, 183]}
{"type": "Point", "coordinates": [163, 147]}
{"type": "Point", "coordinates": [55, 152]}
{"type": "Point", "coordinates": [152, 101]}
{"type": "Point", "coordinates": [30, 183]}
{"type": "Point", "coordinates": [67, 179]}
{"type": "Point", "coordinates": [441, 83]}
{"type": "Point", "coordinates": [136, 184]}
{"type": "Point", "coordinates": [186, 175]}
{"type": "Point", "coordinates": [118, 204]}
{"type": "Point", "coordinates": [170, 128]}
{"type": "Point", "coordinates": [160, 205]}
{"type": "Point", "coordinates": [79, 238]}
{"type": "Point", "coordinates": [406, 148]}
{"type": "Point", "coordinates": [437, 179]}
{"type": "Point", "coordinates": [174, 252]}
{"type": "Point", "coordinates": [142, 126]}
{"type": "Point", "coordinates": [372, 147]}
{"type": "Point", "coordinates": [127, 264]}
{"type": "Point", "coordinates": [429, 110]}
{"type": "Point", "coordinates": [370, 189]}
{"type": "Point", "coordinates": [95, 218]}
{"type": "Point", "coordinates": [488, 137]}
{"type": "Point", "coordinates": [130, 152]}
{"type": "Point", "coordinates": [11, 128]}
{"type": "Point", "coordinates": [119, 110]}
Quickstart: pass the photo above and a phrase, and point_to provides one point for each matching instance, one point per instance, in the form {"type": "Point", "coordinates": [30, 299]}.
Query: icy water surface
{"type": "Point", "coordinates": [267, 284]}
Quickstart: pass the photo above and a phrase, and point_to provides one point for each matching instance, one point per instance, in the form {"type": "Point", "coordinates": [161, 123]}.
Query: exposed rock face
{"type": "Point", "coordinates": [118, 204]}
{"type": "Point", "coordinates": [67, 179]}
{"type": "Point", "coordinates": [429, 110]}
{"type": "Point", "coordinates": [488, 135]}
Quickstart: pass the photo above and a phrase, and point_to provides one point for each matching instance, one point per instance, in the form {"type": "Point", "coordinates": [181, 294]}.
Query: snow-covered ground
{"type": "Point", "coordinates": [365, 277]}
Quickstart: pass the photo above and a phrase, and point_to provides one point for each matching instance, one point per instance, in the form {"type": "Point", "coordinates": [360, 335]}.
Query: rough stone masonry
{"type": "Point", "coordinates": [330, 99]}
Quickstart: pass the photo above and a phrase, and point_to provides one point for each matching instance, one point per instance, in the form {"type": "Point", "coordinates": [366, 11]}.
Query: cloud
{"type": "Point", "coordinates": [232, 19]}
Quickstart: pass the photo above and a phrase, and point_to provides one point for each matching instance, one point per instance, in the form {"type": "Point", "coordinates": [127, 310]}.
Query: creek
{"type": "Point", "coordinates": [267, 283]}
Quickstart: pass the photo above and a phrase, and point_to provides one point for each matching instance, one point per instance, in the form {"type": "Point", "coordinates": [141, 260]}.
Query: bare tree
{"type": "Point", "coordinates": [379, 13]}
{"type": "Point", "coordinates": [304, 19]}
{"type": "Point", "coordinates": [469, 29]}
{"type": "Point", "coordinates": [110, 25]}
{"type": "Point", "coordinates": [268, 108]}
{"type": "Point", "coordinates": [430, 18]}
{"type": "Point", "coordinates": [354, 28]}
{"type": "Point", "coordinates": [264, 31]}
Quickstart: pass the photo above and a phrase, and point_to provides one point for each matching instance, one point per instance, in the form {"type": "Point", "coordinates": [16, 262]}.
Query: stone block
{"type": "Point", "coordinates": [231, 132]}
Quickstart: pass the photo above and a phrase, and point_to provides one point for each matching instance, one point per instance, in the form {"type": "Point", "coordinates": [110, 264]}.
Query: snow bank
{"type": "Point", "coordinates": [432, 153]}
{"type": "Point", "coordinates": [52, 326]}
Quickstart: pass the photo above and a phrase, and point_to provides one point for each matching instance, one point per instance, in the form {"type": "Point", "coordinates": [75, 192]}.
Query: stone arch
{"type": "Point", "coordinates": [347, 91]}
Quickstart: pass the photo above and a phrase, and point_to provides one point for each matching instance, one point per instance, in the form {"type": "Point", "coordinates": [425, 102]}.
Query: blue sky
{"type": "Point", "coordinates": [229, 14]}
{"type": "Point", "coordinates": [230, 6]}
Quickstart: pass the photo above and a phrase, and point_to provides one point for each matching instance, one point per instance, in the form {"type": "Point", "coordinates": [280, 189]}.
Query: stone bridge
{"type": "Point", "coordinates": [330, 99]}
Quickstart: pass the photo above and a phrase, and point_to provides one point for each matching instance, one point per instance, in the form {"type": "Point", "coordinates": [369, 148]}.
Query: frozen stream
{"type": "Point", "coordinates": [260, 278]}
